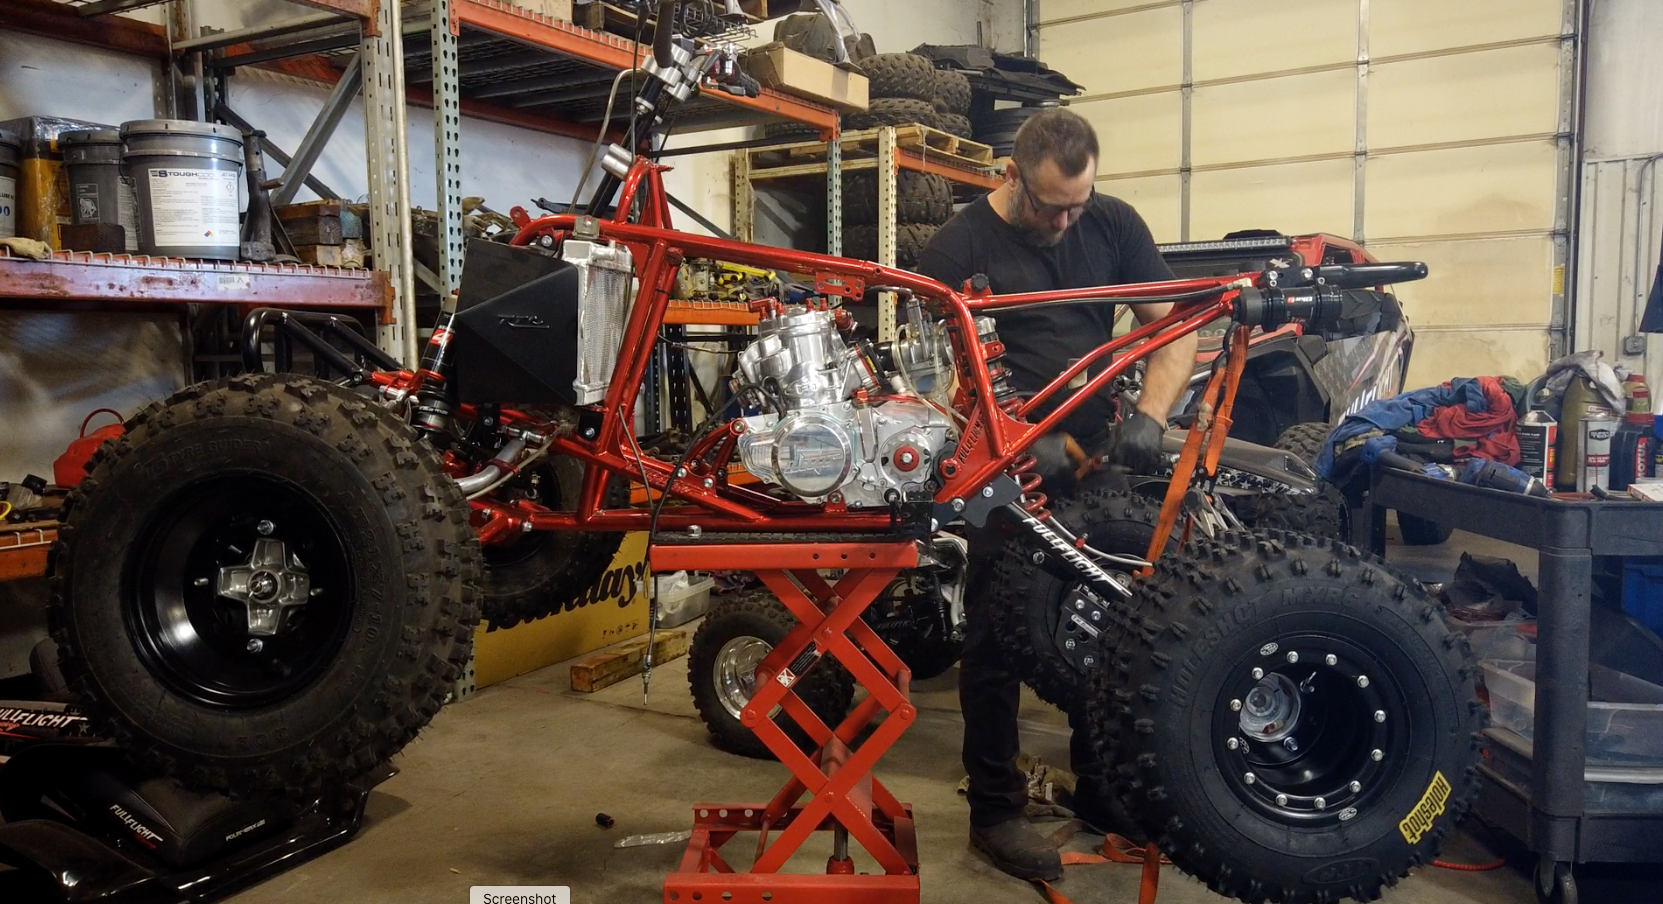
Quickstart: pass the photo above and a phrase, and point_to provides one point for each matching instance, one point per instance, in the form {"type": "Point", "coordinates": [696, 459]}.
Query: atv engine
{"type": "Point", "coordinates": [836, 428]}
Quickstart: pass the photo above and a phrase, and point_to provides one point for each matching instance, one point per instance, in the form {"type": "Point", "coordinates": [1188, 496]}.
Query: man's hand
{"type": "Point", "coordinates": [1135, 443]}
{"type": "Point", "coordinates": [1060, 462]}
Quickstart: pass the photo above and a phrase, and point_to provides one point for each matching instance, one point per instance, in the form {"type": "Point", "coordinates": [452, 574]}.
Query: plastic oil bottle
{"type": "Point", "coordinates": [1632, 446]}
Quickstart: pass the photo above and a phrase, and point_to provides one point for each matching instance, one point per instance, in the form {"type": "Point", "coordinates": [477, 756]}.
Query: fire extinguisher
{"type": "Point", "coordinates": [71, 466]}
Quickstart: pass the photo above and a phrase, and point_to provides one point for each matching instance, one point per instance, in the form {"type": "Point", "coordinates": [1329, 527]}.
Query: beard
{"type": "Point", "coordinates": [1042, 237]}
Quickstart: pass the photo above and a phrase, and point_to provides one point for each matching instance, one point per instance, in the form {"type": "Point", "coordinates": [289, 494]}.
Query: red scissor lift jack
{"type": "Point", "coordinates": [844, 797]}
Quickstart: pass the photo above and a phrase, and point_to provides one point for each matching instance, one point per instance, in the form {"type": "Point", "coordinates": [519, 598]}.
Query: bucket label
{"type": "Point", "coordinates": [194, 208]}
{"type": "Point", "coordinates": [127, 209]}
{"type": "Point", "coordinates": [86, 202]}
{"type": "Point", "coordinates": [8, 207]}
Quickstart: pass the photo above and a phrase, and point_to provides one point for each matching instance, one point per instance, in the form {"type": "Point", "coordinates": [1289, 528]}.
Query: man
{"type": "Point", "coordinates": [1045, 229]}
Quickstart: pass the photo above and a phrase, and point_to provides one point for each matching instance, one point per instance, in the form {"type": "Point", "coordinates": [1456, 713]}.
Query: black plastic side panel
{"type": "Point", "coordinates": [515, 335]}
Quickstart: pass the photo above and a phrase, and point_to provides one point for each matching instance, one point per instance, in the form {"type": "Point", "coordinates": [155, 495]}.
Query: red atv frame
{"type": "Point", "coordinates": [995, 440]}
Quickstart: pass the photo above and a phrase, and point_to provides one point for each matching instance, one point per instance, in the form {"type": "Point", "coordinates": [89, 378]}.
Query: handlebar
{"type": "Point", "coordinates": [1322, 298]}
{"type": "Point", "coordinates": [663, 37]}
{"type": "Point", "coordinates": [1346, 276]}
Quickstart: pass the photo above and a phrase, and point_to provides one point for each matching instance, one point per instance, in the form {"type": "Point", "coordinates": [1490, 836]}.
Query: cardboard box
{"type": "Point", "coordinates": [779, 67]}
{"type": "Point", "coordinates": [614, 609]}
{"type": "Point", "coordinates": [552, 9]}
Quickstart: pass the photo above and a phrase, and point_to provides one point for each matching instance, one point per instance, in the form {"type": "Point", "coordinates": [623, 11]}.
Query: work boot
{"type": "Point", "coordinates": [1017, 849]}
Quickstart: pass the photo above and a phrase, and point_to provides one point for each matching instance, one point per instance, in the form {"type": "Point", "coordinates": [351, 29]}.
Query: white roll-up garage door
{"type": "Point", "coordinates": [1435, 130]}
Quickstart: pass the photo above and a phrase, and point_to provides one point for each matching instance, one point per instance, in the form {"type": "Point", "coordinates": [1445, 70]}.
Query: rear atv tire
{"type": "Point", "coordinates": [267, 584]}
{"type": "Point", "coordinates": [1290, 719]}
{"type": "Point", "coordinates": [1036, 607]}
{"type": "Point", "coordinates": [735, 635]}
{"type": "Point", "coordinates": [1306, 441]}
{"type": "Point", "coordinates": [1323, 514]}
{"type": "Point", "coordinates": [543, 572]}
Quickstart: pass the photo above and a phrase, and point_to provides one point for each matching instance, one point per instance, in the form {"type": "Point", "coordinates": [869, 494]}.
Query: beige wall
{"type": "Point", "coordinates": [1427, 129]}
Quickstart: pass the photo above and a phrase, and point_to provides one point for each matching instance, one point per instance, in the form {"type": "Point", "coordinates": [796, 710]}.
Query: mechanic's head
{"type": "Point", "coordinates": [1050, 173]}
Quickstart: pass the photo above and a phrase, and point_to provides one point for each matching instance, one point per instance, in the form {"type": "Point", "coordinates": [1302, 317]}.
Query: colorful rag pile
{"type": "Point", "coordinates": [1468, 417]}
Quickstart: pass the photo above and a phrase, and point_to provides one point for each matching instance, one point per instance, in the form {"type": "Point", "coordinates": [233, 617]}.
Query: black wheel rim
{"type": "Point", "coordinates": [1310, 730]}
{"type": "Point", "coordinates": [199, 642]}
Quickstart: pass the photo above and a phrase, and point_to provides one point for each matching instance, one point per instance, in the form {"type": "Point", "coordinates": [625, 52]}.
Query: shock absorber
{"type": "Point", "coordinates": [1032, 500]}
{"type": "Point", "coordinates": [431, 414]}
{"type": "Point", "coordinates": [993, 350]}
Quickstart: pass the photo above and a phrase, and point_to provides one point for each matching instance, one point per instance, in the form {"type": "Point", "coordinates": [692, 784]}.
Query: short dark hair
{"type": "Point", "coordinates": [1060, 136]}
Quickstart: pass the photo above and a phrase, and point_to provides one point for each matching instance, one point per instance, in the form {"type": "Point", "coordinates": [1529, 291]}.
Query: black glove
{"type": "Point", "coordinates": [1058, 462]}
{"type": "Point", "coordinates": [1135, 444]}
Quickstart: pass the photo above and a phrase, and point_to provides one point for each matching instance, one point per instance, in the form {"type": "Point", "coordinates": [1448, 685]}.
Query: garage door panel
{"type": "Point", "coordinates": [1477, 282]}
{"type": "Point", "coordinates": [1230, 120]}
{"type": "Point", "coordinates": [1245, 37]}
{"type": "Point", "coordinates": [1052, 10]}
{"type": "Point", "coordinates": [1292, 197]}
{"type": "Point", "coordinates": [1454, 191]}
{"type": "Point", "coordinates": [1464, 97]}
{"type": "Point", "coordinates": [1138, 133]}
{"type": "Point", "coordinates": [1117, 54]}
{"type": "Point", "coordinates": [1415, 26]}
{"type": "Point", "coordinates": [1441, 355]}
{"type": "Point", "coordinates": [1156, 198]}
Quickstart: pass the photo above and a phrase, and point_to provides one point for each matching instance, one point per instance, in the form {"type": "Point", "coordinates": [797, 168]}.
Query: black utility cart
{"type": "Point", "coordinates": [1550, 791]}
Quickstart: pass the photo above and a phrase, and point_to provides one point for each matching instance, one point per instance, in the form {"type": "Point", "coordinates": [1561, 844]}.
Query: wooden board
{"type": "Point", "coordinates": [609, 667]}
{"type": "Point", "coordinates": [916, 136]}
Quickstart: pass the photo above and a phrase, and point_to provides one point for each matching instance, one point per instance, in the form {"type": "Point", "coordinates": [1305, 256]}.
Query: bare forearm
{"type": "Point", "coordinates": [1165, 376]}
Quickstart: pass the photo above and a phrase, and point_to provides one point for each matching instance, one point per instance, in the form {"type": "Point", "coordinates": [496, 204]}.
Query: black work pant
{"type": "Point", "coordinates": [989, 696]}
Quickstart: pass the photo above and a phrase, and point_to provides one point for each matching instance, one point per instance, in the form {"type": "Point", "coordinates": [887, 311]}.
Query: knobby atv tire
{"type": "Point", "coordinates": [919, 198]}
{"type": "Point", "coordinates": [1030, 601]}
{"type": "Point", "coordinates": [955, 123]}
{"type": "Point", "coordinates": [347, 490]}
{"type": "Point", "coordinates": [827, 688]}
{"type": "Point", "coordinates": [1323, 514]}
{"type": "Point", "coordinates": [861, 242]}
{"type": "Point", "coordinates": [1163, 710]}
{"type": "Point", "coordinates": [545, 572]}
{"type": "Point", "coordinates": [790, 131]}
{"type": "Point", "coordinates": [1304, 440]}
{"type": "Point", "coordinates": [892, 111]}
{"type": "Point", "coordinates": [952, 93]}
{"type": "Point", "coordinates": [1418, 531]}
{"type": "Point", "coordinates": [898, 75]}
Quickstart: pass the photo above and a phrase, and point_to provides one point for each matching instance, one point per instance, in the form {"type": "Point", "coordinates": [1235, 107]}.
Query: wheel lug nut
{"type": "Point", "coordinates": [1291, 745]}
{"type": "Point", "coordinates": [1232, 743]}
{"type": "Point", "coordinates": [1356, 787]}
{"type": "Point", "coordinates": [1250, 778]}
{"type": "Point", "coordinates": [265, 528]}
{"type": "Point", "coordinates": [1293, 656]}
{"type": "Point", "coordinates": [1235, 706]}
{"type": "Point", "coordinates": [255, 645]}
{"type": "Point", "coordinates": [1362, 681]}
{"type": "Point", "coordinates": [201, 582]}
{"type": "Point", "coordinates": [1379, 715]}
{"type": "Point", "coordinates": [1258, 673]}
{"type": "Point", "coordinates": [1320, 803]}
{"type": "Point", "coordinates": [1331, 659]}
{"type": "Point", "coordinates": [1281, 800]}
{"type": "Point", "coordinates": [1376, 755]}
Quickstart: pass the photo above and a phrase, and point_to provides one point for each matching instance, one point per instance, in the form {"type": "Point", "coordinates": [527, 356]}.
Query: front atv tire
{"type": "Point", "coordinates": [267, 584]}
{"type": "Point", "coordinates": [1291, 720]}
{"type": "Point", "coordinates": [1047, 622]}
{"type": "Point", "coordinates": [735, 636]}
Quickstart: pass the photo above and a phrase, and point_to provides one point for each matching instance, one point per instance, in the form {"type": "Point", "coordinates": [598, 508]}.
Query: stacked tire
{"type": "Point", "coordinates": [906, 89]}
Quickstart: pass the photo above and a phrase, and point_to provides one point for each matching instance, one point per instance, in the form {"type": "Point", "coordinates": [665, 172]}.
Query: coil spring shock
{"type": "Point", "coordinates": [1032, 500]}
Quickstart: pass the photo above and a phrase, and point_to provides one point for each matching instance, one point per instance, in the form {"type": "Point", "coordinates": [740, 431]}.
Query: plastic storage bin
{"type": "Point", "coordinates": [1607, 789]}
{"type": "Point", "coordinates": [1643, 592]}
{"type": "Point", "coordinates": [682, 598]}
{"type": "Point", "coordinates": [1625, 716]}
{"type": "Point", "coordinates": [1499, 640]}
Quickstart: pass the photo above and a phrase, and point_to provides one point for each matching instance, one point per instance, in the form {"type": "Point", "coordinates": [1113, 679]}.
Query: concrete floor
{"type": "Point", "coordinates": [503, 789]}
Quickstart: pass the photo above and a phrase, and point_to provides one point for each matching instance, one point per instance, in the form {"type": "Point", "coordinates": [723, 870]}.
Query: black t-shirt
{"type": "Point", "coordinates": [1109, 245]}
